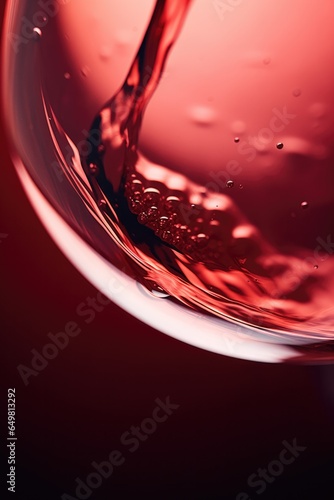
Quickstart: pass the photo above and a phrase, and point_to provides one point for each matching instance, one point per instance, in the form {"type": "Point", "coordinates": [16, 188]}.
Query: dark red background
{"type": "Point", "coordinates": [233, 414]}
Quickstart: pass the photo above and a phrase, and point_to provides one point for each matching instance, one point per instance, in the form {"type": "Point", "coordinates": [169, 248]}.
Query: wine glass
{"type": "Point", "coordinates": [180, 154]}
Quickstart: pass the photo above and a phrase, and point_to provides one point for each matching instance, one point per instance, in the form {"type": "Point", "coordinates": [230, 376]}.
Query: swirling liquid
{"type": "Point", "coordinates": [224, 204]}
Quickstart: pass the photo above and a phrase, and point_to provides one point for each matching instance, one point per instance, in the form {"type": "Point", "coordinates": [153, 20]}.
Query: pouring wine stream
{"type": "Point", "coordinates": [207, 257]}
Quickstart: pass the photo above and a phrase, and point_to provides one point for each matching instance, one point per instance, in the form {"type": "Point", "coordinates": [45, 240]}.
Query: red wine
{"type": "Point", "coordinates": [196, 241]}
{"type": "Point", "coordinates": [207, 177]}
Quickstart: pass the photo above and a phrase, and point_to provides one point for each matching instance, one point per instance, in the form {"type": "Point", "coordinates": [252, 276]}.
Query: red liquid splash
{"type": "Point", "coordinates": [206, 240]}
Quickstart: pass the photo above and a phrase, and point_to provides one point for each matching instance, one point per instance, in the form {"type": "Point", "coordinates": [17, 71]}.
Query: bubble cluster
{"type": "Point", "coordinates": [199, 230]}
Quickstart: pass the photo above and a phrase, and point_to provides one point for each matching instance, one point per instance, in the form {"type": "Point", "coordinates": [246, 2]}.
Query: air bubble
{"type": "Point", "coordinates": [201, 240]}
{"type": "Point", "coordinates": [93, 169]}
{"type": "Point", "coordinates": [171, 204]}
{"type": "Point", "coordinates": [37, 33]}
{"type": "Point", "coordinates": [85, 70]}
{"type": "Point", "coordinates": [316, 266]}
{"type": "Point", "coordinates": [67, 75]}
{"type": "Point", "coordinates": [296, 92]}
{"type": "Point", "coordinates": [152, 213]}
{"type": "Point", "coordinates": [159, 293]}
{"type": "Point", "coordinates": [102, 204]}
{"type": "Point", "coordinates": [122, 38]}
{"type": "Point", "coordinates": [151, 190]}
{"type": "Point", "coordinates": [153, 289]}
{"type": "Point", "coordinates": [101, 149]}
{"type": "Point", "coordinates": [163, 221]}
{"type": "Point", "coordinates": [230, 184]}
{"type": "Point", "coordinates": [236, 139]}
{"type": "Point", "coordinates": [136, 184]}
{"type": "Point", "coordinates": [105, 53]}
{"type": "Point", "coordinates": [304, 205]}
{"type": "Point", "coordinates": [136, 195]}
{"type": "Point", "coordinates": [202, 115]}
{"type": "Point", "coordinates": [142, 217]}
{"type": "Point", "coordinates": [280, 145]}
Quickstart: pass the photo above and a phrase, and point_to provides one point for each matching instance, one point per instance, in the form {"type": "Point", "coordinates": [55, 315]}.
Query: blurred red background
{"type": "Point", "coordinates": [232, 418]}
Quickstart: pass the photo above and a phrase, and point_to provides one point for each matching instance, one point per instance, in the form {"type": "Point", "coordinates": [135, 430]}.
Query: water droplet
{"type": "Point", "coordinates": [85, 70]}
{"type": "Point", "coordinates": [67, 75]}
{"type": "Point", "coordinates": [230, 184]}
{"type": "Point", "coordinates": [37, 34]}
{"type": "Point", "coordinates": [304, 205]}
{"type": "Point", "coordinates": [296, 92]}
{"type": "Point", "coordinates": [202, 115]}
{"type": "Point", "coordinates": [280, 145]}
